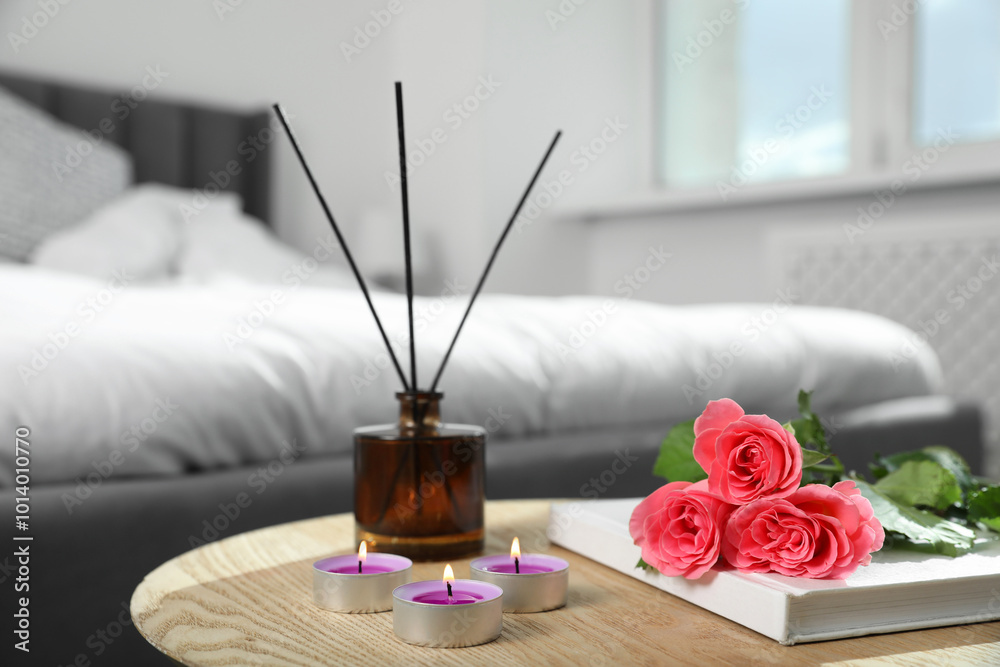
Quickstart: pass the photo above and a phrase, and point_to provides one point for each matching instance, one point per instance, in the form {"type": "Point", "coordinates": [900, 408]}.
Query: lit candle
{"type": "Point", "coordinates": [359, 584]}
{"type": "Point", "coordinates": [530, 582]}
{"type": "Point", "coordinates": [450, 613]}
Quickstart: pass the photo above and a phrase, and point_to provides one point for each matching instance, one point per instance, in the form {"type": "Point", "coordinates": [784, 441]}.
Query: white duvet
{"type": "Point", "coordinates": [164, 376]}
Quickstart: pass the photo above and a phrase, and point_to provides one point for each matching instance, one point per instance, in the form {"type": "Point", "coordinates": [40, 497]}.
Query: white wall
{"type": "Point", "coordinates": [251, 57]}
{"type": "Point", "coordinates": [721, 255]}
{"type": "Point", "coordinates": [571, 77]}
{"type": "Point", "coordinates": [572, 74]}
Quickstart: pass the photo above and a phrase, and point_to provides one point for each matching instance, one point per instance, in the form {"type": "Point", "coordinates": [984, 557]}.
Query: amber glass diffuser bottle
{"type": "Point", "coordinates": [419, 485]}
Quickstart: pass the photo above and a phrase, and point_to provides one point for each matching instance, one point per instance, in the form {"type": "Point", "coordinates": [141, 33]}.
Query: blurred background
{"type": "Point", "coordinates": [758, 143]}
{"type": "Point", "coordinates": [833, 152]}
{"type": "Point", "coordinates": [845, 150]}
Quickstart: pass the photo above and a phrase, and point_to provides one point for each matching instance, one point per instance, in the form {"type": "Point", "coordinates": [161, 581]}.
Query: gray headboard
{"type": "Point", "coordinates": [173, 143]}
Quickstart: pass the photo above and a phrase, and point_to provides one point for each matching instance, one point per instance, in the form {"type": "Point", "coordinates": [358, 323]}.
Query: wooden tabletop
{"type": "Point", "coordinates": [247, 600]}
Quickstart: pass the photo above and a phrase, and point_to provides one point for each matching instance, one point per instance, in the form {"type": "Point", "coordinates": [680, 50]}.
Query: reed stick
{"type": "Point", "coordinates": [493, 256]}
{"type": "Point", "coordinates": [343, 244]}
{"type": "Point", "coordinates": [406, 232]}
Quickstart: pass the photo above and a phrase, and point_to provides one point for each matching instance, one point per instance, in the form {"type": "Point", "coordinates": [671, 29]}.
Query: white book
{"type": "Point", "coordinates": [900, 590]}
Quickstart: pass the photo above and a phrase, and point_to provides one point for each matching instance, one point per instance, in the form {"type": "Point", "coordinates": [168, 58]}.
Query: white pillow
{"type": "Point", "coordinates": [157, 232]}
{"type": "Point", "coordinates": [138, 233]}
{"type": "Point", "coordinates": [221, 245]}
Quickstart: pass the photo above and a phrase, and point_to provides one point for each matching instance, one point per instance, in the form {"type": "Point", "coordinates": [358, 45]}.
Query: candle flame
{"type": "Point", "coordinates": [515, 548]}
{"type": "Point", "coordinates": [363, 552]}
{"type": "Point", "coordinates": [449, 574]}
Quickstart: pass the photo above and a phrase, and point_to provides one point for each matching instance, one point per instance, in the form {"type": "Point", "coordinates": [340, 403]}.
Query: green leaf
{"type": "Point", "coordinates": [805, 401]}
{"type": "Point", "coordinates": [643, 565]}
{"type": "Point", "coordinates": [788, 427]}
{"type": "Point", "coordinates": [810, 432]}
{"type": "Point", "coordinates": [946, 457]}
{"type": "Point", "coordinates": [879, 468]}
{"type": "Point", "coordinates": [941, 535]}
{"type": "Point", "coordinates": [921, 483]}
{"type": "Point", "coordinates": [811, 436]}
{"type": "Point", "coordinates": [811, 458]}
{"type": "Point", "coordinates": [984, 507]}
{"type": "Point", "coordinates": [676, 460]}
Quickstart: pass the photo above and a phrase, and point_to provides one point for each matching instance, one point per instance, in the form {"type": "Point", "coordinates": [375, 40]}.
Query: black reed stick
{"type": "Point", "coordinates": [489, 264]}
{"type": "Point", "coordinates": [343, 244]}
{"type": "Point", "coordinates": [406, 232]}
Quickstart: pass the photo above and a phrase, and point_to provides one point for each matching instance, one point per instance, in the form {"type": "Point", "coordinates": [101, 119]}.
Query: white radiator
{"type": "Point", "coordinates": [940, 280]}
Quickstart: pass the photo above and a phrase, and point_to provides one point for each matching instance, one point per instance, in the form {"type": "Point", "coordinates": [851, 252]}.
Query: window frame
{"type": "Point", "coordinates": [880, 117]}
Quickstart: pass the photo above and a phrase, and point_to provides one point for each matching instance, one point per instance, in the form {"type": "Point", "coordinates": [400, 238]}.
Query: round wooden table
{"type": "Point", "coordinates": [247, 600]}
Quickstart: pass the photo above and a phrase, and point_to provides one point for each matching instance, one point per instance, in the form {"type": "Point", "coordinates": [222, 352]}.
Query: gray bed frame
{"type": "Point", "coordinates": [85, 564]}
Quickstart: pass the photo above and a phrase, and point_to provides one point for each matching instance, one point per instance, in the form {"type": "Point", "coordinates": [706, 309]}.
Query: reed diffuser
{"type": "Point", "coordinates": [419, 484]}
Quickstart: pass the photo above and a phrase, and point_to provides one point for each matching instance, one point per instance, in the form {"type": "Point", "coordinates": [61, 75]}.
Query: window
{"type": "Point", "coordinates": [767, 91]}
{"type": "Point", "coordinates": [957, 70]}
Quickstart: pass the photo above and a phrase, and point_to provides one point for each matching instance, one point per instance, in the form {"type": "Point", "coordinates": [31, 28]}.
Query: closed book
{"type": "Point", "coordinates": [900, 589]}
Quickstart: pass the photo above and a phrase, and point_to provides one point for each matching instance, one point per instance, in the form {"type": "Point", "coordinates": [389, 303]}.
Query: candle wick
{"type": "Point", "coordinates": [359, 566]}
{"type": "Point", "coordinates": [517, 566]}
{"type": "Point", "coordinates": [448, 584]}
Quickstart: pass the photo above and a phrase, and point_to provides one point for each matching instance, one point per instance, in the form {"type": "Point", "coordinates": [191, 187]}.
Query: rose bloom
{"type": "Point", "coordinates": [746, 456]}
{"type": "Point", "coordinates": [680, 528]}
{"type": "Point", "coordinates": [819, 532]}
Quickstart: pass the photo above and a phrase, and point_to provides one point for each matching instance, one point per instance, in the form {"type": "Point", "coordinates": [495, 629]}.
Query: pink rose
{"type": "Point", "coordinates": [746, 456]}
{"type": "Point", "coordinates": [816, 532]}
{"type": "Point", "coordinates": [680, 528]}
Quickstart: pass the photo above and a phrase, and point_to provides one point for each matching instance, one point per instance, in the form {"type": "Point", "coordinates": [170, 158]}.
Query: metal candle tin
{"type": "Point", "coordinates": [542, 584]}
{"type": "Point", "coordinates": [337, 586]}
{"type": "Point", "coordinates": [443, 625]}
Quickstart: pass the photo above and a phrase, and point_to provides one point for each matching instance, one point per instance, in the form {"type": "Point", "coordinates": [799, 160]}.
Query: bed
{"type": "Point", "coordinates": [226, 366]}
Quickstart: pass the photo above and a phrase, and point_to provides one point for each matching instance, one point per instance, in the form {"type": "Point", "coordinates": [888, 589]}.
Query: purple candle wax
{"type": "Point", "coordinates": [367, 568]}
{"type": "Point", "coordinates": [442, 597]}
{"type": "Point", "coordinates": [463, 591]}
{"type": "Point", "coordinates": [375, 563]}
{"type": "Point", "coordinates": [527, 564]}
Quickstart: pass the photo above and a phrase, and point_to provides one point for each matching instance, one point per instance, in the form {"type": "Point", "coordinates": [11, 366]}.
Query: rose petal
{"type": "Point", "coordinates": [716, 416]}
